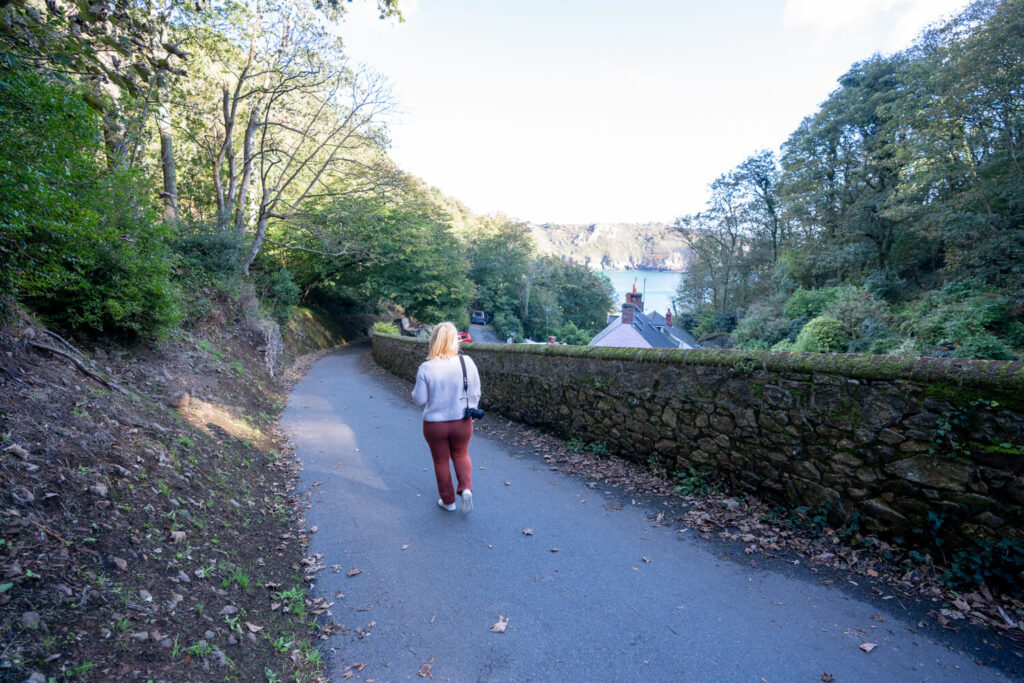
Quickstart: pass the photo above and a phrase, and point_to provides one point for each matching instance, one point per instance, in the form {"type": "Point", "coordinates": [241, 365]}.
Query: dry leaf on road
{"type": "Point", "coordinates": [425, 668]}
{"type": "Point", "coordinates": [501, 625]}
{"type": "Point", "coordinates": [827, 677]}
{"type": "Point", "coordinates": [527, 532]}
{"type": "Point", "coordinates": [868, 647]}
{"type": "Point", "coordinates": [353, 571]}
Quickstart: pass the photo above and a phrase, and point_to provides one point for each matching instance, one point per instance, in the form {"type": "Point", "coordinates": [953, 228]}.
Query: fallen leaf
{"type": "Point", "coordinates": [527, 532]}
{"type": "Point", "coordinates": [353, 571]}
{"type": "Point", "coordinates": [647, 560]}
{"type": "Point", "coordinates": [404, 547]}
{"type": "Point", "coordinates": [425, 668]}
{"type": "Point", "coordinates": [878, 617]}
{"type": "Point", "coordinates": [177, 536]}
{"type": "Point", "coordinates": [868, 647]}
{"type": "Point", "coordinates": [501, 625]}
{"type": "Point", "coordinates": [253, 627]}
{"type": "Point", "coordinates": [872, 573]}
{"type": "Point", "coordinates": [827, 678]}
{"type": "Point", "coordinates": [554, 550]}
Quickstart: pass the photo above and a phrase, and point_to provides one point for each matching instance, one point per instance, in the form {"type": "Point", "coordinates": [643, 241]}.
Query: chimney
{"type": "Point", "coordinates": [668, 317]}
{"type": "Point", "coordinates": [627, 313]}
{"type": "Point", "coordinates": [635, 298]}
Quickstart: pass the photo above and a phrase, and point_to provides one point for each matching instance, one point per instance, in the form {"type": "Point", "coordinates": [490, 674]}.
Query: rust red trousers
{"type": "Point", "coordinates": [450, 441]}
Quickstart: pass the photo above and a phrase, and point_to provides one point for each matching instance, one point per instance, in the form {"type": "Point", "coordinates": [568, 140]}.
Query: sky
{"type": "Point", "coordinates": [592, 111]}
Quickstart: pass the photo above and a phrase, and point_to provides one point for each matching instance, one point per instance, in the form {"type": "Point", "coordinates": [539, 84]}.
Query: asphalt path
{"type": "Point", "coordinates": [591, 594]}
{"type": "Point", "coordinates": [484, 333]}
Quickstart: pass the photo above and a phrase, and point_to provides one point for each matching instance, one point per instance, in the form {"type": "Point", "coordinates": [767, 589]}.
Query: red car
{"type": "Point", "coordinates": [464, 337]}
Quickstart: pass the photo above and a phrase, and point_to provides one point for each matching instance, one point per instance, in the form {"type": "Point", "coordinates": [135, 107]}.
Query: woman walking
{"type": "Point", "coordinates": [446, 385]}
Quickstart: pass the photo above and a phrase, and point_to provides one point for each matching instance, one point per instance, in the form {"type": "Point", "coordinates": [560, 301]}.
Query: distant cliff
{"type": "Point", "coordinates": [615, 246]}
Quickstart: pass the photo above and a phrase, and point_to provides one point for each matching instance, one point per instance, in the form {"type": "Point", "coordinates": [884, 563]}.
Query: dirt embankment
{"type": "Point", "coordinates": [148, 525]}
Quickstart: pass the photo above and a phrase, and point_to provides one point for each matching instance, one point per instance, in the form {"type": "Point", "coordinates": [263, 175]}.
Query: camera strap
{"type": "Point", "coordinates": [465, 380]}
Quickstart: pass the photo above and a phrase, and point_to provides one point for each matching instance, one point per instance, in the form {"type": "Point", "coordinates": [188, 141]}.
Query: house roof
{"type": "Point", "coordinates": [659, 321]}
{"type": "Point", "coordinates": [642, 326]}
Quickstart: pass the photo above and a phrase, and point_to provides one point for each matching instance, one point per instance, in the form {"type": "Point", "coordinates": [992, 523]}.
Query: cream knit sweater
{"type": "Point", "coordinates": [439, 389]}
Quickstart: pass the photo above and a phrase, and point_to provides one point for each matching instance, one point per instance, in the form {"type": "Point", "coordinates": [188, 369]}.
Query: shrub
{"type": "Point", "coordinates": [508, 325]}
{"type": "Point", "coordinates": [570, 334]}
{"type": "Point", "coordinates": [822, 335]}
{"type": "Point", "coordinates": [886, 285]}
{"type": "Point", "coordinates": [386, 328]}
{"type": "Point", "coordinates": [81, 245]}
{"type": "Point", "coordinates": [961, 320]}
{"type": "Point", "coordinates": [280, 292]}
{"type": "Point", "coordinates": [809, 303]}
{"type": "Point", "coordinates": [761, 328]}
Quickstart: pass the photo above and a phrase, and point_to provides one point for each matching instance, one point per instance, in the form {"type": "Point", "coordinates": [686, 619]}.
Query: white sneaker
{"type": "Point", "coordinates": [449, 508]}
{"type": "Point", "coordinates": [467, 502]}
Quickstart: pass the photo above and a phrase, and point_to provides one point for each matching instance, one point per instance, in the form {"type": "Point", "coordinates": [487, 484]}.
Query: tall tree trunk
{"type": "Point", "coordinates": [257, 242]}
{"type": "Point", "coordinates": [163, 124]}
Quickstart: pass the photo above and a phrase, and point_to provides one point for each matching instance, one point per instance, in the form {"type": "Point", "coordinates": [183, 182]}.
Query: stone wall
{"type": "Point", "coordinates": [927, 450]}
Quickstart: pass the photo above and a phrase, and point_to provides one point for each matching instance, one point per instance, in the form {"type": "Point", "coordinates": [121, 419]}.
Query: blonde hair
{"type": "Point", "coordinates": [444, 342]}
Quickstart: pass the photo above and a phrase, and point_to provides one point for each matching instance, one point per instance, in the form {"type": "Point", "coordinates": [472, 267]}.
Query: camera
{"type": "Point", "coordinates": [474, 413]}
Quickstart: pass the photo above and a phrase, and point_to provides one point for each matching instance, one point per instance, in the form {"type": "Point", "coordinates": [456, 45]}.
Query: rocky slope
{"type": "Point", "coordinates": [149, 527]}
{"type": "Point", "coordinates": [615, 246]}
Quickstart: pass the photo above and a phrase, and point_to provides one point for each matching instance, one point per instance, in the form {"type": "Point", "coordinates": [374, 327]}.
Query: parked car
{"type": "Point", "coordinates": [478, 318]}
{"type": "Point", "coordinates": [464, 337]}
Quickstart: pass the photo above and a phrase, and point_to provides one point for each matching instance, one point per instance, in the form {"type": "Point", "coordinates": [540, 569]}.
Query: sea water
{"type": "Point", "coordinates": [658, 287]}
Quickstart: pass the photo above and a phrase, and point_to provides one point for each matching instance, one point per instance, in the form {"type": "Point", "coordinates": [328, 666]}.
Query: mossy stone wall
{"type": "Point", "coordinates": [927, 450]}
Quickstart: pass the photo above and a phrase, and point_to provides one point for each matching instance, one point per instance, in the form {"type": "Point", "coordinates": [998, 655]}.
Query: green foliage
{"type": "Point", "coordinates": [279, 291]}
{"type": "Point", "coordinates": [822, 335]}
{"type": "Point", "coordinates": [385, 328]}
{"type": "Point", "coordinates": [570, 334]}
{"type": "Point", "coordinates": [961, 320]}
{"type": "Point", "coordinates": [79, 244]}
{"type": "Point", "coordinates": [395, 249]}
{"type": "Point", "coordinates": [508, 325]}
{"type": "Point", "coordinates": [762, 327]}
{"type": "Point", "coordinates": [996, 563]}
{"type": "Point", "coordinates": [810, 303]}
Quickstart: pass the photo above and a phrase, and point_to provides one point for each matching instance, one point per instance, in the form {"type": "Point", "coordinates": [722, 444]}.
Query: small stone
{"type": "Point", "coordinates": [209, 635]}
{"type": "Point", "coordinates": [229, 609]}
{"type": "Point", "coordinates": [139, 636]}
{"type": "Point", "coordinates": [30, 620]}
{"type": "Point", "coordinates": [36, 677]}
{"type": "Point", "coordinates": [121, 563]}
{"type": "Point", "coordinates": [166, 643]}
{"type": "Point", "coordinates": [99, 490]}
{"type": "Point", "coordinates": [146, 595]}
{"type": "Point", "coordinates": [232, 640]}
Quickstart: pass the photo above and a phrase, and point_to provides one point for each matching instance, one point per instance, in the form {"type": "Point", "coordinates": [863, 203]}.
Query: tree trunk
{"type": "Point", "coordinates": [163, 123]}
{"type": "Point", "coordinates": [257, 242]}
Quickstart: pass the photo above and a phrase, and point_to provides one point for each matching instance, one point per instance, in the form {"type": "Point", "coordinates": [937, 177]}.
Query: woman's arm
{"type": "Point", "coordinates": [473, 377]}
{"type": "Point", "coordinates": [419, 392]}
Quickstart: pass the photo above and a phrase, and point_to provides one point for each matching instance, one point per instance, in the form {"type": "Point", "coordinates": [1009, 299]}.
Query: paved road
{"type": "Point", "coordinates": [484, 333]}
{"type": "Point", "coordinates": [620, 600]}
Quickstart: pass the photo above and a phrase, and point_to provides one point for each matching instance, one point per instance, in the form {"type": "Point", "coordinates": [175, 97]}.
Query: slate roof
{"type": "Point", "coordinates": [658, 320]}
{"type": "Point", "coordinates": [643, 325]}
